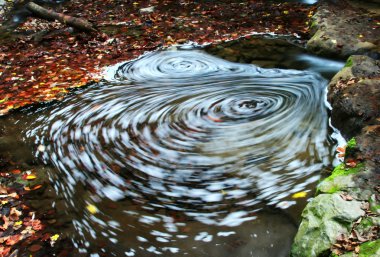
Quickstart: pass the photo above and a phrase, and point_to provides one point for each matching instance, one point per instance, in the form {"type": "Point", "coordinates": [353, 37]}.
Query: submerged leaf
{"type": "Point", "coordinates": [299, 195]}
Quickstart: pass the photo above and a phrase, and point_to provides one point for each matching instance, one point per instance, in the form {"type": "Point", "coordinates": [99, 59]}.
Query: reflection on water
{"type": "Point", "coordinates": [182, 153]}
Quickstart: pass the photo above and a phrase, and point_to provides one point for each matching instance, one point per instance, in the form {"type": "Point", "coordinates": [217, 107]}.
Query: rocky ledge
{"type": "Point", "coordinates": [343, 28]}
{"type": "Point", "coordinates": [344, 217]}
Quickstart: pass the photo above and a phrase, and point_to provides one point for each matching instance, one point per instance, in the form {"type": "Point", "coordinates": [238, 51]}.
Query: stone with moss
{"type": "Point", "coordinates": [324, 219]}
{"type": "Point", "coordinates": [370, 249]}
{"type": "Point", "coordinates": [341, 179]}
{"type": "Point", "coordinates": [348, 62]}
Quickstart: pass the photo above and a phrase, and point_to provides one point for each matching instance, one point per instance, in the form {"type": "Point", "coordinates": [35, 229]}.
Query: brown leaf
{"type": "Point", "coordinates": [3, 190]}
{"type": "Point", "coordinates": [6, 223]}
{"type": "Point", "coordinates": [4, 251]}
{"type": "Point", "coordinates": [3, 239]}
{"type": "Point", "coordinates": [14, 239]}
{"type": "Point", "coordinates": [14, 214]}
{"type": "Point", "coordinates": [35, 224]}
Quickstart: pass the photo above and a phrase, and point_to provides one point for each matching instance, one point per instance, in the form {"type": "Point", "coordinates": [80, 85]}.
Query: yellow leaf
{"type": "Point", "coordinates": [18, 223]}
{"type": "Point", "coordinates": [286, 12]}
{"type": "Point", "coordinates": [54, 237]}
{"type": "Point", "coordinates": [299, 195]}
{"type": "Point", "coordinates": [92, 208]}
{"type": "Point", "coordinates": [31, 177]}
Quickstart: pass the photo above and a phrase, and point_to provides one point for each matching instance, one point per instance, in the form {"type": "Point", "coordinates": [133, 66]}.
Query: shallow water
{"type": "Point", "coordinates": [182, 153]}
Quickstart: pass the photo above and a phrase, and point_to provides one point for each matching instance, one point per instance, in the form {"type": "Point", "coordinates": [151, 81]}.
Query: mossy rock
{"type": "Point", "coordinates": [324, 219]}
{"type": "Point", "coordinates": [367, 224]}
{"type": "Point", "coordinates": [341, 179]}
{"type": "Point", "coordinates": [370, 249]}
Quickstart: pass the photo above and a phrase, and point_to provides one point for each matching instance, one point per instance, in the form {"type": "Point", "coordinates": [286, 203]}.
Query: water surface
{"type": "Point", "coordinates": [182, 153]}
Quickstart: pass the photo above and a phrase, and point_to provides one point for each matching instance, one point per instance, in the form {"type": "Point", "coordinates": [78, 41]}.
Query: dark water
{"type": "Point", "coordinates": [180, 153]}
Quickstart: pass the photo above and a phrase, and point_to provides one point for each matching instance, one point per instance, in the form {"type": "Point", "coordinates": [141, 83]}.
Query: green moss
{"type": "Point", "coordinates": [366, 223]}
{"type": "Point", "coordinates": [313, 24]}
{"type": "Point", "coordinates": [375, 208]}
{"type": "Point", "coordinates": [351, 143]}
{"type": "Point", "coordinates": [332, 190]}
{"type": "Point", "coordinates": [349, 62]}
{"type": "Point", "coordinates": [370, 249]}
{"type": "Point", "coordinates": [335, 182]}
{"type": "Point", "coordinates": [341, 170]}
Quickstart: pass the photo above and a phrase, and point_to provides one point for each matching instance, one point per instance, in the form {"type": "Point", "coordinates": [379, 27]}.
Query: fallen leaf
{"type": "Point", "coordinates": [6, 223]}
{"type": "Point", "coordinates": [14, 214]}
{"type": "Point", "coordinates": [92, 208]}
{"type": "Point", "coordinates": [54, 237]}
{"type": "Point", "coordinates": [13, 239]}
{"type": "Point", "coordinates": [299, 195]}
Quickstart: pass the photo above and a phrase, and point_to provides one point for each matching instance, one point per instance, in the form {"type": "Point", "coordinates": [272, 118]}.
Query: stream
{"type": "Point", "coordinates": [183, 153]}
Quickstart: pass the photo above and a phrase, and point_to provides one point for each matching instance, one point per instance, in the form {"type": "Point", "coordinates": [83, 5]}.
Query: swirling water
{"type": "Point", "coordinates": [182, 153]}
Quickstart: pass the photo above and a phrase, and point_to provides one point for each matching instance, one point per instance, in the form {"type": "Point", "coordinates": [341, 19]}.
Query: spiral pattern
{"type": "Point", "coordinates": [189, 132]}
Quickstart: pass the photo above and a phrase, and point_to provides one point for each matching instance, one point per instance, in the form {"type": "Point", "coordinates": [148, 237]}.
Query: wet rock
{"type": "Point", "coordinates": [324, 219]}
{"type": "Point", "coordinates": [359, 183]}
{"type": "Point", "coordinates": [263, 52]}
{"type": "Point", "coordinates": [366, 224]}
{"type": "Point", "coordinates": [339, 183]}
{"type": "Point", "coordinates": [369, 145]}
{"type": "Point", "coordinates": [342, 29]}
{"type": "Point", "coordinates": [354, 94]}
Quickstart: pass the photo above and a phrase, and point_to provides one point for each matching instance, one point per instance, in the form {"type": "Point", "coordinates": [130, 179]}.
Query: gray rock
{"type": "Point", "coordinates": [342, 29]}
{"type": "Point", "coordinates": [339, 183]}
{"type": "Point", "coordinates": [324, 219]}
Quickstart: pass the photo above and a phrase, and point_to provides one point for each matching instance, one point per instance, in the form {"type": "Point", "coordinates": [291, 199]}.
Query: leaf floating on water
{"type": "Point", "coordinates": [299, 195]}
{"type": "Point", "coordinates": [30, 177]}
{"type": "Point", "coordinates": [92, 208]}
{"type": "Point", "coordinates": [54, 237]}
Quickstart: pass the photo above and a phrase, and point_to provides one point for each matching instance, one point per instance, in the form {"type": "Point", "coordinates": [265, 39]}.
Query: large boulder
{"type": "Point", "coordinates": [354, 94]}
{"type": "Point", "coordinates": [325, 218]}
